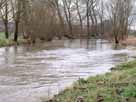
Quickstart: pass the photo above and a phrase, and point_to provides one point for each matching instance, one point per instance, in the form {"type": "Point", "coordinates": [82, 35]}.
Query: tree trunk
{"type": "Point", "coordinates": [102, 27]}
{"type": "Point", "coordinates": [6, 30]}
{"type": "Point", "coordinates": [6, 20]}
{"type": "Point", "coordinates": [70, 28]}
{"type": "Point", "coordinates": [116, 39]}
{"type": "Point", "coordinates": [16, 31]}
{"type": "Point", "coordinates": [88, 20]}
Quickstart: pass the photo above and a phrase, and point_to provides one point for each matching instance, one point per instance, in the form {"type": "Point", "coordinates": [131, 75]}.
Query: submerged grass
{"type": "Point", "coordinates": [117, 86]}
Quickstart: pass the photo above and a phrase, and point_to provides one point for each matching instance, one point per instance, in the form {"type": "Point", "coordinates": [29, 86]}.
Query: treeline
{"type": "Point", "coordinates": [46, 19]}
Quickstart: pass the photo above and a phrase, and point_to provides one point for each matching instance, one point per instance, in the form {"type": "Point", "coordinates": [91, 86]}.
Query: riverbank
{"type": "Point", "coordinates": [117, 86]}
{"type": "Point", "coordinates": [9, 42]}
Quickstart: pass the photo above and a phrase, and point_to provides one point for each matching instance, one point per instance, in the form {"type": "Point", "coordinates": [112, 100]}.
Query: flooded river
{"type": "Point", "coordinates": [34, 73]}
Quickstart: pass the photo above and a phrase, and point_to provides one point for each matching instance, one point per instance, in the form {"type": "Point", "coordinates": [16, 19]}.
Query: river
{"type": "Point", "coordinates": [35, 73]}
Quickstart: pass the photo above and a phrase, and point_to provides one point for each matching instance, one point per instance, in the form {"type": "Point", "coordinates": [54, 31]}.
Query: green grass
{"type": "Point", "coordinates": [117, 86]}
{"type": "Point", "coordinates": [9, 42]}
{"type": "Point", "coordinates": [3, 41]}
{"type": "Point", "coordinates": [2, 35]}
{"type": "Point", "coordinates": [6, 42]}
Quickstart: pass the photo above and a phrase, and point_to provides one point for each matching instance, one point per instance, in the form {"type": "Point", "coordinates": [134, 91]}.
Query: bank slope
{"type": "Point", "coordinates": [117, 86]}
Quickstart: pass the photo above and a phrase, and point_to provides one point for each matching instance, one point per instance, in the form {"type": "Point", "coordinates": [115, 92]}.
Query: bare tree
{"type": "Point", "coordinates": [42, 20]}
{"type": "Point", "coordinates": [67, 4]}
{"type": "Point", "coordinates": [101, 16]}
{"type": "Point", "coordinates": [17, 10]}
{"type": "Point", "coordinates": [1, 3]}
{"type": "Point", "coordinates": [79, 15]}
{"type": "Point", "coordinates": [88, 18]}
{"type": "Point", "coordinates": [25, 18]}
{"type": "Point", "coordinates": [120, 13]}
{"type": "Point", "coordinates": [61, 18]}
{"type": "Point", "coordinates": [4, 12]}
{"type": "Point", "coordinates": [91, 17]}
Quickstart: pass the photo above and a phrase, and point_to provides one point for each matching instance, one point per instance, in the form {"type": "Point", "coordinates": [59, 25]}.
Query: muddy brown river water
{"type": "Point", "coordinates": [35, 73]}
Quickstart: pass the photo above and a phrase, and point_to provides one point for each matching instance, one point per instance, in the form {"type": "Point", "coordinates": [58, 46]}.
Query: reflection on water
{"type": "Point", "coordinates": [28, 73]}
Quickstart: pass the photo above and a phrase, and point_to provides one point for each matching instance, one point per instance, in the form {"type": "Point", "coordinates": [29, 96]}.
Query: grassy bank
{"type": "Point", "coordinates": [117, 86]}
{"type": "Point", "coordinates": [9, 42]}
